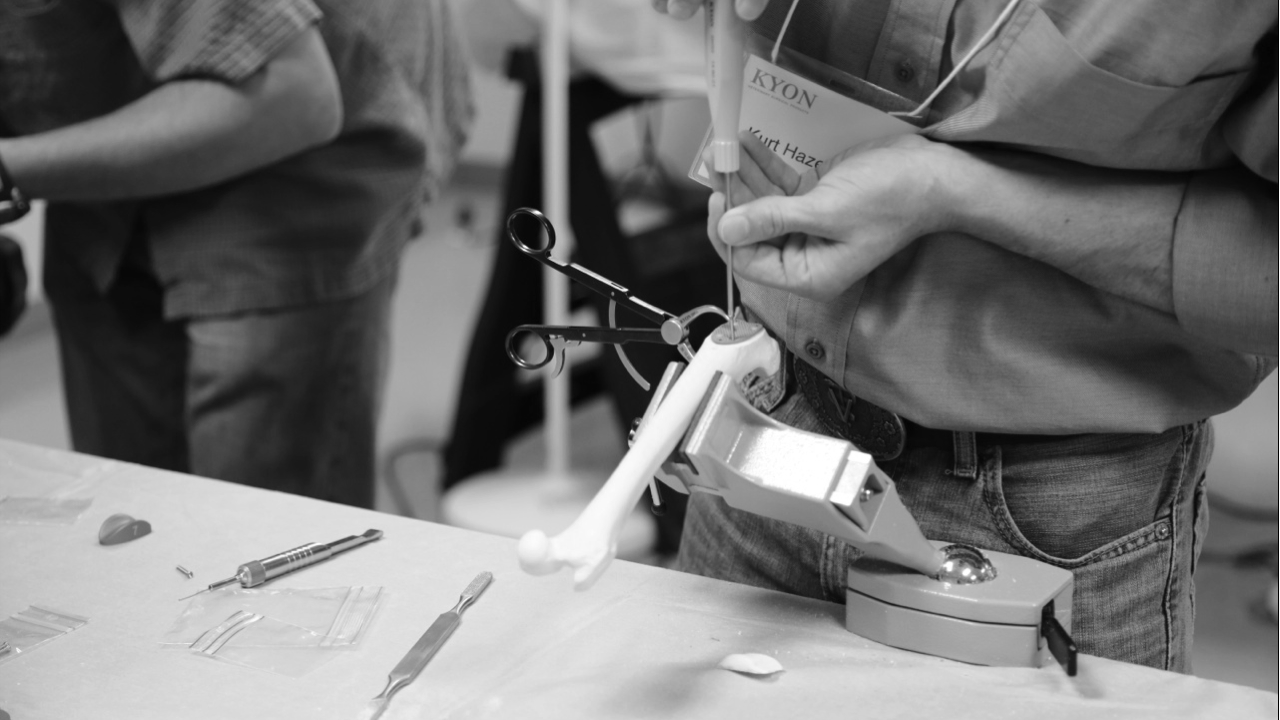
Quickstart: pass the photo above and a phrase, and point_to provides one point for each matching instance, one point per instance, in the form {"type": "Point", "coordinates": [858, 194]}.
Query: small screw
{"type": "Point", "coordinates": [865, 495]}
{"type": "Point", "coordinates": [186, 572]}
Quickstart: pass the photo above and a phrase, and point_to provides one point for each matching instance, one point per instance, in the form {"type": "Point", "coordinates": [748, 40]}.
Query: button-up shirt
{"type": "Point", "coordinates": [324, 224]}
{"type": "Point", "coordinates": [957, 333]}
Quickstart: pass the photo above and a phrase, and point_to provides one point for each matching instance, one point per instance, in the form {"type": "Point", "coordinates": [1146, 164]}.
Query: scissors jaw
{"type": "Point", "coordinates": [558, 346]}
{"type": "Point", "coordinates": [557, 360]}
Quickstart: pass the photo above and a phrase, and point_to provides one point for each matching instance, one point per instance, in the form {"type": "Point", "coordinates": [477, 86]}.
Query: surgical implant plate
{"type": "Point", "coordinates": [965, 565]}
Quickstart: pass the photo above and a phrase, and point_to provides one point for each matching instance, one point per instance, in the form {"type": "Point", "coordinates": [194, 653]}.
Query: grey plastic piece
{"type": "Point", "coordinates": [948, 637]}
{"type": "Point", "coordinates": [1017, 595]}
{"type": "Point", "coordinates": [990, 623]}
{"type": "Point", "coordinates": [762, 466]}
{"type": "Point", "coordinates": [121, 528]}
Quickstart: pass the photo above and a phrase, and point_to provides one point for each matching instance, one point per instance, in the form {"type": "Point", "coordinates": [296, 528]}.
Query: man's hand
{"type": "Point", "coordinates": [684, 9]}
{"type": "Point", "coordinates": [187, 134]}
{"type": "Point", "coordinates": [817, 234]}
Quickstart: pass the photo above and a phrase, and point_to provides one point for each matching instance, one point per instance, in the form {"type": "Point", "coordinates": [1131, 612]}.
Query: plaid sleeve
{"type": "Point", "coordinates": [224, 39]}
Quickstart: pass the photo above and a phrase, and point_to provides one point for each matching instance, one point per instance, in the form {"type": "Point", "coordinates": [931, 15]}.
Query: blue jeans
{"type": "Point", "coordinates": [284, 399]}
{"type": "Point", "coordinates": [1126, 514]}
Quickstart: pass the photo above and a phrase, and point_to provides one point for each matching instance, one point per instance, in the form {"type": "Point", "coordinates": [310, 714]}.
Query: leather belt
{"type": "Point", "coordinates": [874, 430]}
{"type": "Point", "coordinates": [871, 428]}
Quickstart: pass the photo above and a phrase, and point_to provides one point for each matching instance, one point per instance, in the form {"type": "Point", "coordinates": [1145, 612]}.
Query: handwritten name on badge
{"type": "Point", "coordinates": [787, 150]}
{"type": "Point", "coordinates": [803, 122]}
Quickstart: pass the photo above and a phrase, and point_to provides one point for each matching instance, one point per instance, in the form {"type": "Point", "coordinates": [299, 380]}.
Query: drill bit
{"type": "Point", "coordinates": [728, 268]}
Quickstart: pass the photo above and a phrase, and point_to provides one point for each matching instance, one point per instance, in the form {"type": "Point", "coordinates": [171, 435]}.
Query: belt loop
{"type": "Point", "coordinates": [965, 448]}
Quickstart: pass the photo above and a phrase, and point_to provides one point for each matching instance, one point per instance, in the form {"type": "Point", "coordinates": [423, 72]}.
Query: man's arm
{"type": "Point", "coordinates": [187, 133]}
{"type": "Point", "coordinates": [1116, 230]}
{"type": "Point", "coordinates": [1131, 234]}
{"type": "Point", "coordinates": [1111, 229]}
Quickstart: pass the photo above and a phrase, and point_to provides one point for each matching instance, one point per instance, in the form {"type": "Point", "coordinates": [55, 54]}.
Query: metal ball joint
{"type": "Point", "coordinates": [965, 565]}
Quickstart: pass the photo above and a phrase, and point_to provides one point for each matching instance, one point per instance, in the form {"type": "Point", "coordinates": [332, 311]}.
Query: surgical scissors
{"type": "Point", "coordinates": [671, 330]}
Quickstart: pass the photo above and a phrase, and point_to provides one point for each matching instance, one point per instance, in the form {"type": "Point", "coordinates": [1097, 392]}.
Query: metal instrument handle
{"type": "Point", "coordinates": [256, 572]}
{"type": "Point", "coordinates": [473, 591]}
{"type": "Point", "coordinates": [549, 334]}
{"type": "Point", "coordinates": [355, 541]}
{"type": "Point", "coordinates": [594, 282]}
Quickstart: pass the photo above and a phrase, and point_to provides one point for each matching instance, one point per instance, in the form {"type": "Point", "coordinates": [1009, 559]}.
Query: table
{"type": "Point", "coordinates": [644, 642]}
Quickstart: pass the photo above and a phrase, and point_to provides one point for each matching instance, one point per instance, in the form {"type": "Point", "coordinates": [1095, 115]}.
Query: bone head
{"type": "Point", "coordinates": [590, 543]}
{"type": "Point", "coordinates": [540, 555]}
{"type": "Point", "coordinates": [534, 552]}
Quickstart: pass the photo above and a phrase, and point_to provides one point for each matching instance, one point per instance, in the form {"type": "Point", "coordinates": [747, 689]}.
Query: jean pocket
{"type": "Point", "coordinates": [1120, 605]}
{"type": "Point", "coordinates": [1121, 599]}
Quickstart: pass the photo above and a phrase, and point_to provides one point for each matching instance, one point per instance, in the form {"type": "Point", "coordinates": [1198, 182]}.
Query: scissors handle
{"type": "Point", "coordinates": [594, 282]}
{"type": "Point", "coordinates": [555, 337]}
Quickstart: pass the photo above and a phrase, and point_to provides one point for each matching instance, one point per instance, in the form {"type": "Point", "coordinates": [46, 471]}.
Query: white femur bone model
{"type": "Point", "coordinates": [590, 543]}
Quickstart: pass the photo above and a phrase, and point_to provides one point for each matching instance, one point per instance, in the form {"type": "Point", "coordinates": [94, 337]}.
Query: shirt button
{"type": "Point", "coordinates": [905, 72]}
{"type": "Point", "coordinates": [814, 349]}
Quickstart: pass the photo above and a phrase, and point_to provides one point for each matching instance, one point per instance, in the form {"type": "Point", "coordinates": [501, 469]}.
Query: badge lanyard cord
{"type": "Point", "coordinates": [983, 41]}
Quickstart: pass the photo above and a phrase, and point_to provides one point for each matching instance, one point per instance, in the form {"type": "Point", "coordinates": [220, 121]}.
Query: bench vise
{"type": "Point", "coordinates": [700, 434]}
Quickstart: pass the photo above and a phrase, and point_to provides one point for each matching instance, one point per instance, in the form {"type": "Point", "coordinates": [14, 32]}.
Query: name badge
{"type": "Point", "coordinates": [803, 122]}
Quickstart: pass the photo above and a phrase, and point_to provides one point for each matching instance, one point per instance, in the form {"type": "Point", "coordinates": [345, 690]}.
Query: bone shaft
{"type": "Point", "coordinates": [622, 490]}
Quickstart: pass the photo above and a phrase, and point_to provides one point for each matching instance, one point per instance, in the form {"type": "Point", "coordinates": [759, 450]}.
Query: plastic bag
{"type": "Point", "coordinates": [37, 484]}
{"type": "Point", "coordinates": [262, 643]}
{"type": "Point", "coordinates": [337, 616]}
{"type": "Point", "coordinates": [42, 510]}
{"type": "Point", "coordinates": [34, 470]}
{"type": "Point", "coordinates": [28, 629]}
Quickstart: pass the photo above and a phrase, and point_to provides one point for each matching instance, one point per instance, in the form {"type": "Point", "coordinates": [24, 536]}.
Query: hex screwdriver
{"type": "Point", "coordinates": [725, 41]}
{"type": "Point", "coordinates": [256, 572]}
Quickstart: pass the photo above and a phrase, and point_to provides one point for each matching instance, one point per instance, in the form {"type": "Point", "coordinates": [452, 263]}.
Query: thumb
{"type": "Point", "coordinates": [769, 217]}
{"type": "Point", "coordinates": [750, 9]}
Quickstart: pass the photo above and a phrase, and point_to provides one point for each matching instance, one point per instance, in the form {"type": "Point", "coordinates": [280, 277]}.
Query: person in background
{"type": "Point", "coordinates": [230, 184]}
{"type": "Point", "coordinates": [1027, 310]}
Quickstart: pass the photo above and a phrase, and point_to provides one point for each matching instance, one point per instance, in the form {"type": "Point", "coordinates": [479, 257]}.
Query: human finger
{"type": "Point", "coordinates": [778, 263]}
{"type": "Point", "coordinates": [746, 182]}
{"type": "Point", "coordinates": [776, 170]}
{"type": "Point", "coordinates": [778, 215]}
{"type": "Point", "coordinates": [754, 179]}
{"type": "Point", "coordinates": [749, 182]}
{"type": "Point", "coordinates": [715, 211]}
{"type": "Point", "coordinates": [750, 9]}
{"type": "Point", "coordinates": [683, 9]}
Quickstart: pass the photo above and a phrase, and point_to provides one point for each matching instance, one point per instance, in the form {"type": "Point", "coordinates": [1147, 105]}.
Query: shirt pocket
{"type": "Point", "coordinates": [1040, 93]}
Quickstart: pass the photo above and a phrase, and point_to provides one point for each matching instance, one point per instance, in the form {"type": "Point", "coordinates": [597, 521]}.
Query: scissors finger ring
{"type": "Point", "coordinates": [526, 248]}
